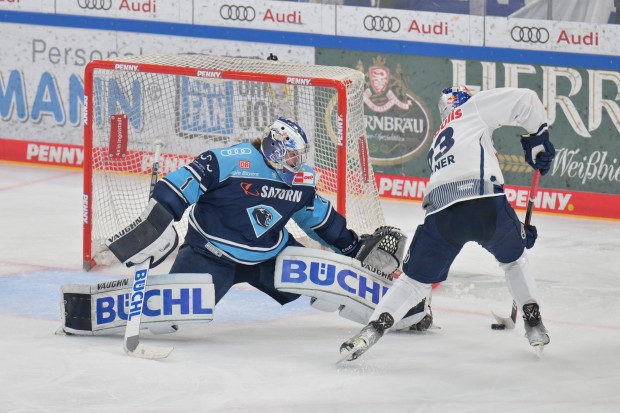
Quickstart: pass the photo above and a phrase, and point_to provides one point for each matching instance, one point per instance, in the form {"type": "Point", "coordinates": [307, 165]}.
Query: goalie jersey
{"type": "Point", "coordinates": [239, 206]}
{"type": "Point", "coordinates": [462, 158]}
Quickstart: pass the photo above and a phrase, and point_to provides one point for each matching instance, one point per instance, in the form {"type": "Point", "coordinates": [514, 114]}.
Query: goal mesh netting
{"type": "Point", "coordinates": [188, 104]}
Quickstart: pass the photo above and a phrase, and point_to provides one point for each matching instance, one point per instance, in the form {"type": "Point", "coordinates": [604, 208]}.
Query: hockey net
{"type": "Point", "coordinates": [187, 104]}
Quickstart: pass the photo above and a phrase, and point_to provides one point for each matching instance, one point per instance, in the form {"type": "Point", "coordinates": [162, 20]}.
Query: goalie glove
{"type": "Point", "coordinates": [151, 236]}
{"type": "Point", "coordinates": [383, 250]}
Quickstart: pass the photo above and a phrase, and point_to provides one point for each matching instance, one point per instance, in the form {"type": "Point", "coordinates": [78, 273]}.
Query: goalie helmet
{"type": "Point", "coordinates": [451, 98]}
{"type": "Point", "coordinates": [285, 147]}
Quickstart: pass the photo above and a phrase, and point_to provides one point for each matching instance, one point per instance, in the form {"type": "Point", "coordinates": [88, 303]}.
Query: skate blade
{"type": "Point", "coordinates": [344, 357]}
{"type": "Point", "coordinates": [349, 354]}
{"type": "Point", "coordinates": [538, 349]}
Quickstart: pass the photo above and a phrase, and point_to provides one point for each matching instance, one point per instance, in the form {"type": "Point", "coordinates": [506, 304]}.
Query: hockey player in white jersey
{"type": "Point", "coordinates": [465, 202]}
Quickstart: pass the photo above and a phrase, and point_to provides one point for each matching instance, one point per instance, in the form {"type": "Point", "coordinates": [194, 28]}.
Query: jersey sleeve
{"type": "Point", "coordinates": [325, 225]}
{"type": "Point", "coordinates": [183, 187]}
{"type": "Point", "coordinates": [510, 107]}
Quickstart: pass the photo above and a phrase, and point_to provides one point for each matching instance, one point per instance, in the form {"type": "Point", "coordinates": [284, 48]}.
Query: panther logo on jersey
{"type": "Point", "coordinates": [262, 217]}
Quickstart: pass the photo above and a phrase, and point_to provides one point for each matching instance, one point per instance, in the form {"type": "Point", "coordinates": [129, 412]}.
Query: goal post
{"type": "Point", "coordinates": [192, 103]}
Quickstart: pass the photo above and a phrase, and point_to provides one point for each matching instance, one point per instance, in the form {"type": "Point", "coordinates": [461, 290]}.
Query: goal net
{"type": "Point", "coordinates": [187, 104]}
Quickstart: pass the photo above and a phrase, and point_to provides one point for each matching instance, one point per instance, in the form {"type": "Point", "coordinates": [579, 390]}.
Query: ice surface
{"type": "Point", "coordinates": [260, 357]}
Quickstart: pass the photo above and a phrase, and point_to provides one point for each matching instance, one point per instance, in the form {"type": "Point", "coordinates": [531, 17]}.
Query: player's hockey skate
{"type": "Point", "coordinates": [535, 330]}
{"type": "Point", "coordinates": [366, 338]}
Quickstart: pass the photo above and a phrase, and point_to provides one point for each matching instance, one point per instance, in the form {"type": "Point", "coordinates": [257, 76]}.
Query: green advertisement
{"type": "Point", "coordinates": [400, 104]}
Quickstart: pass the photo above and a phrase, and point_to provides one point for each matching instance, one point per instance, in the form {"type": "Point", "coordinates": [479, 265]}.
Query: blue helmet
{"type": "Point", "coordinates": [451, 98]}
{"type": "Point", "coordinates": [285, 146]}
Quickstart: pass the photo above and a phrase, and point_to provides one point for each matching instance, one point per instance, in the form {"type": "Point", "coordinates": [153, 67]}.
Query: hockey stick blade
{"type": "Point", "coordinates": [506, 321]}
{"type": "Point", "coordinates": [136, 349]}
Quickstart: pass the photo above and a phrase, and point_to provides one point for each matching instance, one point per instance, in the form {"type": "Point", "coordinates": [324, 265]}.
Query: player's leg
{"type": "Point", "coordinates": [194, 260]}
{"type": "Point", "coordinates": [427, 261]}
{"type": "Point", "coordinates": [508, 246]}
{"type": "Point", "coordinates": [261, 277]}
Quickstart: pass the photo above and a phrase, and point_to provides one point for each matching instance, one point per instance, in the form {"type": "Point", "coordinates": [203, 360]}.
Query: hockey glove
{"type": "Point", "coordinates": [539, 151]}
{"type": "Point", "coordinates": [151, 236]}
{"type": "Point", "coordinates": [529, 235]}
{"type": "Point", "coordinates": [383, 250]}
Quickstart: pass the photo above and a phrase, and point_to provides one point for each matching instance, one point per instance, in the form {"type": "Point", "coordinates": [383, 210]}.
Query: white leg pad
{"type": "Point", "coordinates": [520, 282]}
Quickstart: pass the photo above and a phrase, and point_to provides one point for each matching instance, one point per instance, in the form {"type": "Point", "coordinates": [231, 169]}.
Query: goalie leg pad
{"type": "Point", "coordinates": [336, 282]}
{"type": "Point", "coordinates": [324, 305]}
{"type": "Point", "coordinates": [418, 318]}
{"type": "Point", "coordinates": [170, 300]}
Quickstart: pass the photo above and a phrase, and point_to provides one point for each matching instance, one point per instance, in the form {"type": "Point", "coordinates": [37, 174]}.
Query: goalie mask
{"type": "Point", "coordinates": [451, 98]}
{"type": "Point", "coordinates": [285, 147]}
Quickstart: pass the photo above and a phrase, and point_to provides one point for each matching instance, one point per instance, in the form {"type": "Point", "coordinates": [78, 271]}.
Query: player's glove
{"type": "Point", "coordinates": [539, 151]}
{"type": "Point", "coordinates": [529, 235]}
{"type": "Point", "coordinates": [151, 236]}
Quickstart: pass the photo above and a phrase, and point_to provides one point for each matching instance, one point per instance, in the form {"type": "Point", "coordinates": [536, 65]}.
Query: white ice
{"type": "Point", "coordinates": [260, 357]}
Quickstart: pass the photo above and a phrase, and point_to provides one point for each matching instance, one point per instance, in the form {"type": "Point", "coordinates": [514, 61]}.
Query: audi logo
{"type": "Point", "coordinates": [381, 24]}
{"type": "Point", "coordinates": [240, 13]}
{"type": "Point", "coordinates": [95, 4]}
{"type": "Point", "coordinates": [236, 151]}
{"type": "Point", "coordinates": [529, 34]}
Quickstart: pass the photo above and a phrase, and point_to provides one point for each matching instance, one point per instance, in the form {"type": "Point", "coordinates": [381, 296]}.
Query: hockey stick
{"type": "Point", "coordinates": [510, 322]}
{"type": "Point", "coordinates": [131, 342]}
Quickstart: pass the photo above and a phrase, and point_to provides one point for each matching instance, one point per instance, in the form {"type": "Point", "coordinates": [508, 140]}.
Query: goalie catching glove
{"type": "Point", "coordinates": [383, 250]}
{"type": "Point", "coordinates": [151, 236]}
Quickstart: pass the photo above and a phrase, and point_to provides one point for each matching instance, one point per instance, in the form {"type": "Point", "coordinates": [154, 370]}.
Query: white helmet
{"type": "Point", "coordinates": [451, 98]}
{"type": "Point", "coordinates": [285, 147]}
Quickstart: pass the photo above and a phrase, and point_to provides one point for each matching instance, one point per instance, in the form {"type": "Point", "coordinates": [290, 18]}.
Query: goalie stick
{"type": "Point", "coordinates": [131, 341]}
{"type": "Point", "coordinates": [510, 322]}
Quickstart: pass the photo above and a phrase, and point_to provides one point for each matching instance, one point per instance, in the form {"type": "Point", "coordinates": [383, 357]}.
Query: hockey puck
{"type": "Point", "coordinates": [497, 326]}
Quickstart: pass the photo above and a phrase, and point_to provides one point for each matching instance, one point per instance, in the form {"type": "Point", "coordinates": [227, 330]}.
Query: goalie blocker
{"type": "Point", "coordinates": [339, 283]}
{"type": "Point", "coordinates": [169, 300]}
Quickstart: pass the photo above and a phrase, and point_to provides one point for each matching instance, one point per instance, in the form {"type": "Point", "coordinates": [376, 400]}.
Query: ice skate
{"type": "Point", "coordinates": [366, 338]}
{"type": "Point", "coordinates": [535, 330]}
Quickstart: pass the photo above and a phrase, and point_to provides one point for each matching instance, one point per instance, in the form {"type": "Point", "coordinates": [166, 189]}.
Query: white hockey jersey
{"type": "Point", "coordinates": [462, 157]}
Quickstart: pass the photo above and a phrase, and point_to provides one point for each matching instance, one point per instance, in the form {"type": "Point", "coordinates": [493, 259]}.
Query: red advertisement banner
{"type": "Point", "coordinates": [43, 153]}
{"type": "Point", "coordinates": [571, 203]}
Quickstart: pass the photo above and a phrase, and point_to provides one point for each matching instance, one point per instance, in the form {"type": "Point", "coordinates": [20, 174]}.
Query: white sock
{"type": "Point", "coordinates": [521, 284]}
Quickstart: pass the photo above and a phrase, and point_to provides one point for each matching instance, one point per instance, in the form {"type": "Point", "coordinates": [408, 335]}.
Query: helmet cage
{"type": "Point", "coordinates": [285, 147]}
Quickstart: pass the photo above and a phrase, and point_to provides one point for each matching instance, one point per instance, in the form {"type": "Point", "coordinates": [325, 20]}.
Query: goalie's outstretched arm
{"type": "Point", "coordinates": [383, 250]}
{"type": "Point", "coordinates": [321, 220]}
